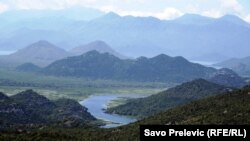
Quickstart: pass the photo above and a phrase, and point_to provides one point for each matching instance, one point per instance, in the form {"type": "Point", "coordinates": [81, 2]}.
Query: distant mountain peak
{"type": "Point", "coordinates": [98, 45]}
{"type": "Point", "coordinates": [194, 19]}
{"type": "Point", "coordinates": [227, 77]}
{"type": "Point", "coordinates": [109, 16]}
{"type": "Point", "coordinates": [226, 71]}
{"type": "Point", "coordinates": [233, 19]}
{"type": "Point", "coordinates": [41, 44]}
{"type": "Point", "coordinates": [92, 52]}
{"type": "Point", "coordinates": [230, 17]}
{"type": "Point", "coordinates": [112, 15]}
{"type": "Point", "coordinates": [40, 53]}
{"type": "Point", "coordinates": [192, 16]}
{"type": "Point", "coordinates": [162, 56]}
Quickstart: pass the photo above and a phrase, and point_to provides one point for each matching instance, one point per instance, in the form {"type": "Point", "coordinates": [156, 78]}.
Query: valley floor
{"type": "Point", "coordinates": [12, 82]}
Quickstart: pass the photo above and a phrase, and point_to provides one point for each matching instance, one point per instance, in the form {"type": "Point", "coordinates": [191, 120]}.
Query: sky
{"type": "Point", "coordinates": [162, 9]}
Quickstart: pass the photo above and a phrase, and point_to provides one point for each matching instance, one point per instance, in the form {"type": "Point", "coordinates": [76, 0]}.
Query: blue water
{"type": "Point", "coordinates": [96, 104]}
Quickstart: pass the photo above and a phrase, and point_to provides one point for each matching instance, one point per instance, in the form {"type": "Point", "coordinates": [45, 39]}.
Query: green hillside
{"type": "Point", "coordinates": [29, 108]}
{"type": "Point", "coordinates": [230, 108]}
{"type": "Point", "coordinates": [170, 98]}
{"type": "Point", "coordinates": [161, 68]}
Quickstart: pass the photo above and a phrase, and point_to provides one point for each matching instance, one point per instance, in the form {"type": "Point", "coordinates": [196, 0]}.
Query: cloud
{"type": "Point", "coordinates": [169, 13]}
{"type": "Point", "coordinates": [247, 18]}
{"type": "Point", "coordinates": [122, 12]}
{"type": "Point", "coordinates": [212, 13]}
{"type": "Point", "coordinates": [166, 14]}
{"type": "Point", "coordinates": [233, 5]}
{"type": "Point", "coordinates": [3, 7]}
{"type": "Point", "coordinates": [163, 9]}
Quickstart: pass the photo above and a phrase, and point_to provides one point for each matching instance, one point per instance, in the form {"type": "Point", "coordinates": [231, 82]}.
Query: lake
{"type": "Point", "coordinates": [96, 104]}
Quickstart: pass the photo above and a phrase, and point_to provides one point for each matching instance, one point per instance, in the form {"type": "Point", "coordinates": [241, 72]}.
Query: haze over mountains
{"type": "Point", "coordinates": [239, 65]}
{"type": "Point", "coordinates": [42, 53]}
{"type": "Point", "coordinates": [221, 38]}
{"type": "Point", "coordinates": [98, 60]}
{"type": "Point", "coordinates": [69, 72]}
{"type": "Point", "coordinates": [161, 68]}
{"type": "Point", "coordinates": [99, 46]}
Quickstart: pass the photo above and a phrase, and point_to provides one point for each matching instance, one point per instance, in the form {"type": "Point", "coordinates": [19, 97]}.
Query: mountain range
{"type": "Point", "coordinates": [228, 77]}
{"type": "Point", "coordinates": [28, 107]}
{"type": "Point", "coordinates": [140, 36]}
{"type": "Point", "coordinates": [239, 65]}
{"type": "Point", "coordinates": [170, 98]}
{"type": "Point", "coordinates": [161, 68]}
{"type": "Point", "coordinates": [99, 46]}
{"type": "Point", "coordinates": [99, 61]}
{"type": "Point", "coordinates": [42, 53]}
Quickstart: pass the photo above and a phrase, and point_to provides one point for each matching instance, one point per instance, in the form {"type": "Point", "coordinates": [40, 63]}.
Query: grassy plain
{"type": "Point", "coordinates": [12, 82]}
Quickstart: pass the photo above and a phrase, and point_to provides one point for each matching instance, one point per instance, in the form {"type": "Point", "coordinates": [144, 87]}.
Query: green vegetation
{"type": "Point", "coordinates": [239, 65]}
{"type": "Point", "coordinates": [229, 78]}
{"type": "Point", "coordinates": [12, 82]}
{"type": "Point", "coordinates": [28, 67]}
{"type": "Point", "coordinates": [170, 98]}
{"type": "Point", "coordinates": [117, 102]}
{"type": "Point", "coordinates": [230, 108]}
{"type": "Point", "coordinates": [161, 68]}
{"type": "Point", "coordinates": [30, 108]}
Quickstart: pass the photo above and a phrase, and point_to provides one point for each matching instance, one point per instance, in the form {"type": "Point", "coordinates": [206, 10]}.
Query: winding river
{"type": "Point", "coordinates": [96, 104]}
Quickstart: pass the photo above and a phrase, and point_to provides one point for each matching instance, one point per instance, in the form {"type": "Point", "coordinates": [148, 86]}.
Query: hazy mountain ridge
{"type": "Point", "coordinates": [158, 71]}
{"type": "Point", "coordinates": [102, 62]}
{"type": "Point", "coordinates": [99, 46]}
{"type": "Point", "coordinates": [40, 53]}
{"type": "Point", "coordinates": [161, 68]}
{"type": "Point", "coordinates": [239, 65]}
{"type": "Point", "coordinates": [130, 35]}
{"type": "Point", "coordinates": [229, 78]}
{"type": "Point", "coordinates": [43, 53]}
